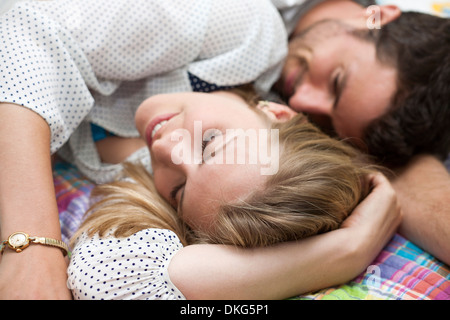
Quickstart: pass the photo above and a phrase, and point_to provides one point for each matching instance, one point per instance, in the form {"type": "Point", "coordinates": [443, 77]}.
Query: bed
{"type": "Point", "coordinates": [402, 271]}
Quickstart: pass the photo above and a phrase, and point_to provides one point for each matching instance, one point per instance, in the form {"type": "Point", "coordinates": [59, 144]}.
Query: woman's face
{"type": "Point", "coordinates": [198, 159]}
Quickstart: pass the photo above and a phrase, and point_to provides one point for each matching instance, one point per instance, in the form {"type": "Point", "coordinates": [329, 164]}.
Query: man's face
{"type": "Point", "coordinates": [336, 78]}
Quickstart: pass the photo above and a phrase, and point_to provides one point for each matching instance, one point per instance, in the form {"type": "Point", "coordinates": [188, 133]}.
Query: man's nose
{"type": "Point", "coordinates": [312, 99]}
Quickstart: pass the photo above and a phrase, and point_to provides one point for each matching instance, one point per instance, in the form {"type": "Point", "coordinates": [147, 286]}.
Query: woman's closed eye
{"type": "Point", "coordinates": [174, 192]}
{"type": "Point", "coordinates": [338, 85]}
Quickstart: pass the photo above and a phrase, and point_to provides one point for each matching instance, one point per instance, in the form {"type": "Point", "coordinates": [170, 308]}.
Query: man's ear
{"type": "Point", "coordinates": [383, 14]}
{"type": "Point", "coordinates": [276, 112]}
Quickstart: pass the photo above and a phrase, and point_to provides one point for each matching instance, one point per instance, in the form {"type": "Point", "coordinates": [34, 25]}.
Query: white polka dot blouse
{"type": "Point", "coordinates": [94, 61]}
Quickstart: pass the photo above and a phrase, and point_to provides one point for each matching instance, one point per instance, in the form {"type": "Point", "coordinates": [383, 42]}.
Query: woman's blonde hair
{"type": "Point", "coordinates": [129, 205]}
{"type": "Point", "coordinates": [319, 182]}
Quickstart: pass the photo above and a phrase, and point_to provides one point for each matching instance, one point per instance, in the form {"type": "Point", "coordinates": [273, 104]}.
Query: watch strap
{"type": "Point", "coordinates": [51, 242]}
{"type": "Point", "coordinates": [3, 245]}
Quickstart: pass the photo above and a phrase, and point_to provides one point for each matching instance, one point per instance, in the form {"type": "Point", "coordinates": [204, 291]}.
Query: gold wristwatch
{"type": "Point", "coordinates": [19, 241]}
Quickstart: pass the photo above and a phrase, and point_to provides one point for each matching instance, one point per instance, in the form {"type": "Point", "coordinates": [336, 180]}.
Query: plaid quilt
{"type": "Point", "coordinates": [402, 271]}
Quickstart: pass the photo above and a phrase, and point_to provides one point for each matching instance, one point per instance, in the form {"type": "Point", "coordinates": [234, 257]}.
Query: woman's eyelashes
{"type": "Point", "coordinates": [338, 85]}
{"type": "Point", "coordinates": [175, 190]}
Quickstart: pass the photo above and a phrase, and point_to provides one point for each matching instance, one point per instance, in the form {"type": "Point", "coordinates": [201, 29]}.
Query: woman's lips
{"type": "Point", "coordinates": [155, 125]}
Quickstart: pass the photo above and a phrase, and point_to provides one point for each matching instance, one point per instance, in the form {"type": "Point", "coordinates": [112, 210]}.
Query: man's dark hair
{"type": "Point", "coordinates": [418, 119]}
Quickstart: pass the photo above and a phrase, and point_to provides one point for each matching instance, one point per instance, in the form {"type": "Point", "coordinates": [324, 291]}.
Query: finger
{"type": "Point", "coordinates": [377, 179]}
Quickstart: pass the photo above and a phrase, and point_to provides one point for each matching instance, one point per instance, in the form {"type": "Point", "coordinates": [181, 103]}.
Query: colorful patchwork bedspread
{"type": "Point", "coordinates": [73, 197]}
{"type": "Point", "coordinates": [402, 271]}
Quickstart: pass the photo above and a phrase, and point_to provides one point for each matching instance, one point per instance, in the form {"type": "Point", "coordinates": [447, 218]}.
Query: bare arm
{"type": "Point", "coordinates": [116, 149]}
{"type": "Point", "coordinates": [423, 189]}
{"type": "Point", "coordinates": [28, 204]}
{"type": "Point", "coordinates": [288, 269]}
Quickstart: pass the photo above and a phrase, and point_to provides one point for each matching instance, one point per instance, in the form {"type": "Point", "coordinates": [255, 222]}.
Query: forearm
{"type": "Point", "coordinates": [423, 189]}
{"type": "Point", "coordinates": [288, 269]}
{"type": "Point", "coordinates": [117, 150]}
{"type": "Point", "coordinates": [28, 204]}
{"type": "Point", "coordinates": [278, 272]}
{"type": "Point", "coordinates": [27, 195]}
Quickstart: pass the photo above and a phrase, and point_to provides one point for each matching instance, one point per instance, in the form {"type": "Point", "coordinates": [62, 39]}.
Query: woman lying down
{"type": "Point", "coordinates": [221, 219]}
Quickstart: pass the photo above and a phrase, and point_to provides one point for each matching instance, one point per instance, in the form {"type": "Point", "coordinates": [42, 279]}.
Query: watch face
{"type": "Point", "coordinates": [18, 240]}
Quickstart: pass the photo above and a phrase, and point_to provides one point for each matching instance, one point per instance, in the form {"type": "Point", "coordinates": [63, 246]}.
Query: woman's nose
{"type": "Point", "coordinates": [176, 150]}
{"type": "Point", "coordinates": [161, 151]}
{"type": "Point", "coordinates": [169, 169]}
{"type": "Point", "coordinates": [311, 99]}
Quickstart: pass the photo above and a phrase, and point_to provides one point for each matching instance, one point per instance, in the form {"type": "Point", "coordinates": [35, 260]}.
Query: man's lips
{"type": "Point", "coordinates": [152, 125]}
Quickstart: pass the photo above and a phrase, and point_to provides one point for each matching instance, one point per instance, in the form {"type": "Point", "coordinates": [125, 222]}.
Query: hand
{"type": "Point", "coordinates": [376, 218]}
{"type": "Point", "coordinates": [37, 273]}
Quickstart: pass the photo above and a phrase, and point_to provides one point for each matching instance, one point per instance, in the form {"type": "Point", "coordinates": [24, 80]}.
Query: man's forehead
{"type": "Point", "coordinates": [321, 29]}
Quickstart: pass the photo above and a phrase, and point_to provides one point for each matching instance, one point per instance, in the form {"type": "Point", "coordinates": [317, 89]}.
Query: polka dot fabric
{"type": "Point", "coordinates": [36, 71]}
{"type": "Point", "coordinates": [97, 60]}
{"type": "Point", "coordinates": [127, 268]}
